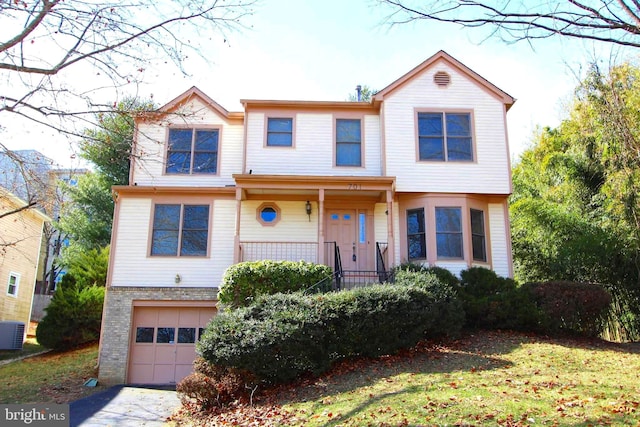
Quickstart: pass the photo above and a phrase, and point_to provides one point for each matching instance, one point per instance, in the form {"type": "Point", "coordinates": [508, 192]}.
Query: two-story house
{"type": "Point", "coordinates": [421, 174]}
{"type": "Point", "coordinates": [21, 243]}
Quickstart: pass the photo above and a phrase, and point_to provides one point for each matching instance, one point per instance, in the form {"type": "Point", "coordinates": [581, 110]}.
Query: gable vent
{"type": "Point", "coordinates": [442, 79]}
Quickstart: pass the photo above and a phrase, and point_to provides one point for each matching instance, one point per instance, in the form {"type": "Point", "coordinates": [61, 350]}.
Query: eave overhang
{"type": "Point", "coordinates": [255, 186]}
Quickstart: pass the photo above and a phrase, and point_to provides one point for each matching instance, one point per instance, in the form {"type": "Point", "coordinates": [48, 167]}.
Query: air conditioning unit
{"type": "Point", "coordinates": [11, 335]}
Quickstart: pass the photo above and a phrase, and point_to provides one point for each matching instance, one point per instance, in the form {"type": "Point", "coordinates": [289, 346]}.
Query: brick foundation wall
{"type": "Point", "coordinates": [116, 323]}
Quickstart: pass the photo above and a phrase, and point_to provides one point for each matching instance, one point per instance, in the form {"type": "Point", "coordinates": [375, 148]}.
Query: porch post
{"type": "Point", "coordinates": [390, 233]}
{"type": "Point", "coordinates": [321, 226]}
{"type": "Point", "coordinates": [236, 237]}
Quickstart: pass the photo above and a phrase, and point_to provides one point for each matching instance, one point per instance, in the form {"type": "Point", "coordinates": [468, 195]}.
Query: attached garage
{"type": "Point", "coordinates": [163, 340]}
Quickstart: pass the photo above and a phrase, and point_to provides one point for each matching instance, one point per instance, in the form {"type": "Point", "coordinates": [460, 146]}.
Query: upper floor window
{"type": "Point", "coordinates": [348, 142]}
{"type": "Point", "coordinates": [478, 240]}
{"type": "Point", "coordinates": [416, 239]}
{"type": "Point", "coordinates": [180, 230]}
{"type": "Point", "coordinates": [12, 285]}
{"type": "Point", "coordinates": [449, 232]}
{"type": "Point", "coordinates": [279, 132]}
{"type": "Point", "coordinates": [192, 151]}
{"type": "Point", "coordinates": [445, 136]}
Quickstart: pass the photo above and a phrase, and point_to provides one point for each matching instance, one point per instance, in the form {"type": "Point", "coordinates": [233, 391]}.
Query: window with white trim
{"type": "Point", "coordinates": [180, 230]}
{"type": "Point", "coordinates": [192, 151]}
{"type": "Point", "coordinates": [444, 136]}
{"type": "Point", "coordinates": [13, 284]}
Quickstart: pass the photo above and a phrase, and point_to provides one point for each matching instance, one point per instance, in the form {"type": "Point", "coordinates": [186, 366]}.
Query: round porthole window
{"type": "Point", "coordinates": [268, 214]}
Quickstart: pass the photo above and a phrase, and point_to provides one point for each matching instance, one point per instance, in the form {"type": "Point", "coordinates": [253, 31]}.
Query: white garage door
{"type": "Point", "coordinates": [163, 343]}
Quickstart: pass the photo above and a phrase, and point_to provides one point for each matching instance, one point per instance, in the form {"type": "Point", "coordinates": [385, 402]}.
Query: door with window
{"type": "Point", "coordinates": [349, 228]}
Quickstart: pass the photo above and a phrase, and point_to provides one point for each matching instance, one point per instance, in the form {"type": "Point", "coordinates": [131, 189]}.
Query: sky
{"type": "Point", "coordinates": [322, 49]}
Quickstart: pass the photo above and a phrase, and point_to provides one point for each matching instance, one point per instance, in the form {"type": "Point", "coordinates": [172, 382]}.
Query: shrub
{"type": "Point", "coordinates": [281, 336]}
{"type": "Point", "coordinates": [245, 281]}
{"type": "Point", "coordinates": [88, 266]}
{"type": "Point", "coordinates": [211, 385]}
{"type": "Point", "coordinates": [480, 282]}
{"type": "Point", "coordinates": [72, 318]}
{"type": "Point", "coordinates": [379, 320]}
{"type": "Point", "coordinates": [448, 314]}
{"type": "Point", "coordinates": [495, 302]}
{"type": "Point", "coordinates": [409, 266]}
{"type": "Point", "coordinates": [572, 307]}
{"type": "Point", "coordinates": [445, 276]}
{"type": "Point", "coordinates": [68, 280]}
{"type": "Point", "coordinates": [276, 338]}
{"type": "Point", "coordinates": [199, 389]}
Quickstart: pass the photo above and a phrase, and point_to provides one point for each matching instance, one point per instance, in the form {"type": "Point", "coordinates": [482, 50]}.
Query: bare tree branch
{"type": "Point", "coordinates": [38, 17]}
{"type": "Point", "coordinates": [630, 12]}
{"type": "Point", "coordinates": [18, 210]}
{"type": "Point", "coordinates": [74, 55]}
{"type": "Point", "coordinates": [58, 58]}
{"type": "Point", "coordinates": [44, 40]}
{"type": "Point", "coordinates": [610, 21]}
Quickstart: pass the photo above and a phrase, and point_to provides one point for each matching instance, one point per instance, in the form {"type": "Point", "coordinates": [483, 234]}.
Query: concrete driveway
{"type": "Point", "coordinates": [124, 406]}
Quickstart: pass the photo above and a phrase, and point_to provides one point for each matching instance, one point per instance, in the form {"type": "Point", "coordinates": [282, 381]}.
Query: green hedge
{"type": "Point", "coordinates": [72, 318]}
{"type": "Point", "coordinates": [282, 336]}
{"type": "Point", "coordinates": [243, 282]}
{"type": "Point", "coordinates": [570, 307]}
{"type": "Point", "coordinates": [494, 302]}
{"type": "Point", "coordinates": [448, 314]}
{"type": "Point", "coordinates": [443, 275]}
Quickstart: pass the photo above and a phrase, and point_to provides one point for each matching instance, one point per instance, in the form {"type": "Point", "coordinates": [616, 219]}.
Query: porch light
{"type": "Point", "coordinates": [307, 208]}
{"type": "Point", "coordinates": [177, 279]}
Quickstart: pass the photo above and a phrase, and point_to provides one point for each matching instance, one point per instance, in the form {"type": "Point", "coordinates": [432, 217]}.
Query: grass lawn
{"type": "Point", "coordinates": [50, 377]}
{"type": "Point", "coordinates": [29, 347]}
{"type": "Point", "coordinates": [488, 378]}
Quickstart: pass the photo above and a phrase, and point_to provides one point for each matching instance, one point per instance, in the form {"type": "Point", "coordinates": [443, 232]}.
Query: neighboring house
{"type": "Point", "coordinates": [33, 177]}
{"type": "Point", "coordinates": [25, 173]}
{"type": "Point", "coordinates": [21, 234]}
{"type": "Point", "coordinates": [419, 174]}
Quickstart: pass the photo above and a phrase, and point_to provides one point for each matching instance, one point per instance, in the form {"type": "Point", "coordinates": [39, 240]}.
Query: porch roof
{"type": "Point", "coordinates": [315, 187]}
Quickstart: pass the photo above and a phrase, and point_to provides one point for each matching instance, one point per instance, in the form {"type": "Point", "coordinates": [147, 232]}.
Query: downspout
{"type": "Point", "coordinates": [236, 237]}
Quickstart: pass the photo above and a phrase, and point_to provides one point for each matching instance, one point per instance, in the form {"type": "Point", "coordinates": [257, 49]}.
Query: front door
{"type": "Point", "coordinates": [349, 229]}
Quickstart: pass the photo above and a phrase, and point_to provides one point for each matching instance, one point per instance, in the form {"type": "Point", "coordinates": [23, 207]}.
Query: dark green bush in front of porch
{"type": "Point", "coordinates": [282, 336]}
{"type": "Point", "coordinates": [242, 283]}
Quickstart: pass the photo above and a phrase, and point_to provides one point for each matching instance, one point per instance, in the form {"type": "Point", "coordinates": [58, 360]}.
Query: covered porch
{"type": "Point", "coordinates": [346, 223]}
